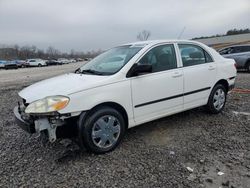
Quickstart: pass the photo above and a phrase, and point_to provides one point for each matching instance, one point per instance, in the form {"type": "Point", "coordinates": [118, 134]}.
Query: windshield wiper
{"type": "Point", "coordinates": [91, 72]}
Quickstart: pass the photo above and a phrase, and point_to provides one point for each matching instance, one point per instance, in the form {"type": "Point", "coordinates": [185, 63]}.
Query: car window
{"type": "Point", "coordinates": [237, 49]}
{"type": "Point", "coordinates": [32, 61]}
{"type": "Point", "coordinates": [161, 58]}
{"type": "Point", "coordinates": [111, 61]}
{"type": "Point", "coordinates": [193, 55]}
{"type": "Point", "coordinates": [245, 48]}
{"type": "Point", "coordinates": [225, 51]}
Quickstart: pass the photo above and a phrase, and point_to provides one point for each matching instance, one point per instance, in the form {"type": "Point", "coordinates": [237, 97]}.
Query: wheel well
{"type": "Point", "coordinates": [224, 83]}
{"type": "Point", "coordinates": [116, 106]}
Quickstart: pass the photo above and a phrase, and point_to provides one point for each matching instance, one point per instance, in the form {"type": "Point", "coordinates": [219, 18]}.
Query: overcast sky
{"type": "Point", "coordinates": [98, 24]}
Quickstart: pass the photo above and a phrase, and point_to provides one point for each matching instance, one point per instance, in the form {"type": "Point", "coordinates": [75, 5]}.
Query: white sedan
{"type": "Point", "coordinates": [63, 61]}
{"type": "Point", "coordinates": [124, 87]}
{"type": "Point", "coordinates": [36, 63]}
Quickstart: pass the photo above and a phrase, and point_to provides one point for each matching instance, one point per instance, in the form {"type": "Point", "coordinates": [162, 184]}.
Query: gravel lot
{"type": "Point", "coordinates": [155, 154]}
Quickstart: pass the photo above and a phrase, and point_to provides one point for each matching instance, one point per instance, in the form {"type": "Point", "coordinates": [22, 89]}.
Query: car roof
{"type": "Point", "coordinates": [153, 42]}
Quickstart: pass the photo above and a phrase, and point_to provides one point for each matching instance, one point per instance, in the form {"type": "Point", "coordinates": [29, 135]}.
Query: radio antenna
{"type": "Point", "coordinates": [182, 31]}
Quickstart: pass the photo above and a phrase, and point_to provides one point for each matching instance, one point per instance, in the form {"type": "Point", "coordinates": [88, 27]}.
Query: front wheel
{"type": "Point", "coordinates": [217, 99]}
{"type": "Point", "coordinates": [102, 130]}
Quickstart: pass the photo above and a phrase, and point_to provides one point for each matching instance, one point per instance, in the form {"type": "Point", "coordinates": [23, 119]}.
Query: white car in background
{"type": "Point", "coordinates": [63, 61]}
{"type": "Point", "coordinates": [36, 62]}
{"type": "Point", "coordinates": [72, 60]}
{"type": "Point", "coordinates": [124, 87]}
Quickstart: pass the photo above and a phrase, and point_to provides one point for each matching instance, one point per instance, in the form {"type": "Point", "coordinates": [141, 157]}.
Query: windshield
{"type": "Point", "coordinates": [110, 61]}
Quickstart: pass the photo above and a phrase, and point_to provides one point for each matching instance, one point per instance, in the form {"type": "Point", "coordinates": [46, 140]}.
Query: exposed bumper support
{"type": "Point", "coordinates": [43, 124]}
{"type": "Point", "coordinates": [38, 125]}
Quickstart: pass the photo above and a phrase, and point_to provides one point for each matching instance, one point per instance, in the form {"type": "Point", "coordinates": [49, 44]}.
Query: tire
{"type": "Point", "coordinates": [102, 130]}
{"type": "Point", "coordinates": [248, 66]}
{"type": "Point", "coordinates": [217, 99]}
{"type": "Point", "coordinates": [39, 65]}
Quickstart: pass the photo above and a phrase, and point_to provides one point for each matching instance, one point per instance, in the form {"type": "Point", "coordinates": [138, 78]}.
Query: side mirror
{"type": "Point", "coordinates": [138, 69]}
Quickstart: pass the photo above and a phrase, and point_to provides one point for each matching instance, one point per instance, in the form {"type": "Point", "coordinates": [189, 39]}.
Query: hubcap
{"type": "Point", "coordinates": [106, 131]}
{"type": "Point", "coordinates": [219, 99]}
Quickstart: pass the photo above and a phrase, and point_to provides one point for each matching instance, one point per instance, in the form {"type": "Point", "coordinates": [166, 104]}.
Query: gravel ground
{"type": "Point", "coordinates": [155, 154]}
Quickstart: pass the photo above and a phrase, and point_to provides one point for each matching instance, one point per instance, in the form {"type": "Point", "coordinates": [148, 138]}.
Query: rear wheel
{"type": "Point", "coordinates": [248, 66]}
{"type": "Point", "coordinates": [217, 99]}
{"type": "Point", "coordinates": [102, 130]}
{"type": "Point", "coordinates": [39, 65]}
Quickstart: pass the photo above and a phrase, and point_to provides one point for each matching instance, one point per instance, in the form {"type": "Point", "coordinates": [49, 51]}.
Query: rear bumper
{"type": "Point", "coordinates": [24, 124]}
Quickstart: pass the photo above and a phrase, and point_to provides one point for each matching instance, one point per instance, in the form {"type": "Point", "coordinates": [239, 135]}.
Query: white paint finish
{"type": "Point", "coordinates": [151, 87]}
{"type": "Point", "coordinates": [87, 91]}
{"type": "Point", "coordinates": [62, 85]}
{"type": "Point", "coordinates": [195, 78]}
{"type": "Point", "coordinates": [118, 92]}
{"type": "Point", "coordinates": [224, 70]}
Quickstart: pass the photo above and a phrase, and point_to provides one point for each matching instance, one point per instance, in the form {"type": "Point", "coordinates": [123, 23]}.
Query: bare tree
{"type": "Point", "coordinates": [72, 53]}
{"type": "Point", "coordinates": [16, 48]}
{"type": "Point", "coordinates": [143, 35]}
{"type": "Point", "coordinates": [27, 52]}
{"type": "Point", "coordinates": [41, 54]}
{"type": "Point", "coordinates": [52, 52]}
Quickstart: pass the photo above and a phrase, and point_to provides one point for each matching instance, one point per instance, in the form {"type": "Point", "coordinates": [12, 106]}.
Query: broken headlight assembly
{"type": "Point", "coordinates": [47, 105]}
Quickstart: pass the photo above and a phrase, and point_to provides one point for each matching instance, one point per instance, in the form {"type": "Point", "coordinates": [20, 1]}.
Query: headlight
{"type": "Point", "coordinates": [48, 104]}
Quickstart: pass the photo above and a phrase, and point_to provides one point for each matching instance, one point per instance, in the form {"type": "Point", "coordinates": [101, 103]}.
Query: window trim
{"type": "Point", "coordinates": [178, 64]}
{"type": "Point", "coordinates": [196, 45]}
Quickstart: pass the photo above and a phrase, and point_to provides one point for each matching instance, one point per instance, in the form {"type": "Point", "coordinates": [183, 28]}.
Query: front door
{"type": "Point", "coordinates": [158, 93]}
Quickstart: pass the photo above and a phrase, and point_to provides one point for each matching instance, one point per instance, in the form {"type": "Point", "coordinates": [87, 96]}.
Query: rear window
{"type": "Point", "coordinates": [193, 55]}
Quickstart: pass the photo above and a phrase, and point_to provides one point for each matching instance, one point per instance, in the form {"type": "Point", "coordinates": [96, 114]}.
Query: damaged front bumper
{"type": "Point", "coordinates": [38, 124]}
{"type": "Point", "coordinates": [26, 124]}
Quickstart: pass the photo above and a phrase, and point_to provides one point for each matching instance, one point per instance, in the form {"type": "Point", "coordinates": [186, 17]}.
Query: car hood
{"type": "Point", "coordinates": [61, 85]}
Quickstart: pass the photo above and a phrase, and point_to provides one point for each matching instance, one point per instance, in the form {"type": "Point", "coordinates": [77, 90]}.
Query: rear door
{"type": "Point", "coordinates": [199, 74]}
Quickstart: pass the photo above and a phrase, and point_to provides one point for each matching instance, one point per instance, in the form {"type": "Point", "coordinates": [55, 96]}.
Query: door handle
{"type": "Point", "coordinates": [176, 74]}
{"type": "Point", "coordinates": [211, 67]}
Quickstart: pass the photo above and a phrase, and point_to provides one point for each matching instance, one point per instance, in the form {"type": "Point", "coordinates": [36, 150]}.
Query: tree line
{"type": "Point", "coordinates": [28, 52]}
{"type": "Point", "coordinates": [229, 32]}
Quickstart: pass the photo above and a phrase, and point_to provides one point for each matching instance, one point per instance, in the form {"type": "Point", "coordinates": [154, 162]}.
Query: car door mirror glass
{"type": "Point", "coordinates": [139, 69]}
